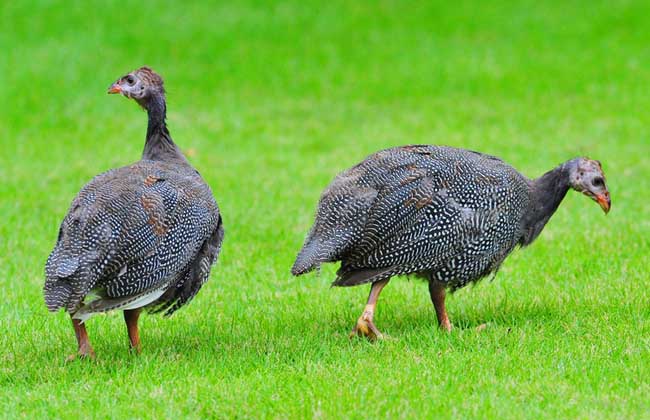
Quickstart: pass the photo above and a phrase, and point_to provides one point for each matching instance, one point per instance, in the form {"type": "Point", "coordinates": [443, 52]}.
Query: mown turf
{"type": "Point", "coordinates": [270, 101]}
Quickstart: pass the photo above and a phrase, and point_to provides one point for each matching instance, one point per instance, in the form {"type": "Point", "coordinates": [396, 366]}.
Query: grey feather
{"type": "Point", "coordinates": [450, 214]}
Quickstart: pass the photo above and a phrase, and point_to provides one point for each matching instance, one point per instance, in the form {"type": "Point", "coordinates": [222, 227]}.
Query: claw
{"type": "Point", "coordinates": [365, 328]}
{"type": "Point", "coordinates": [85, 354]}
{"type": "Point", "coordinates": [445, 325]}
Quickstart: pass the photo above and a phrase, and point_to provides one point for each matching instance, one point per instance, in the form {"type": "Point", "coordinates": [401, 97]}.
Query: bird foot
{"type": "Point", "coordinates": [446, 326]}
{"type": "Point", "coordinates": [83, 354]}
{"type": "Point", "coordinates": [365, 328]}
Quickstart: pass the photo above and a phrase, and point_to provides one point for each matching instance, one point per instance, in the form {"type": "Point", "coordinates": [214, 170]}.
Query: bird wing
{"type": "Point", "coordinates": [431, 229]}
{"type": "Point", "coordinates": [194, 276]}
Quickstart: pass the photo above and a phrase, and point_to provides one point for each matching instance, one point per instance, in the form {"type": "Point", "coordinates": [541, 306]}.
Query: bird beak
{"type": "Point", "coordinates": [115, 88]}
{"type": "Point", "coordinates": [604, 201]}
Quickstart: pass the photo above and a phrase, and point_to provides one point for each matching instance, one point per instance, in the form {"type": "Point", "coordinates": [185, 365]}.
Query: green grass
{"type": "Point", "coordinates": [271, 101]}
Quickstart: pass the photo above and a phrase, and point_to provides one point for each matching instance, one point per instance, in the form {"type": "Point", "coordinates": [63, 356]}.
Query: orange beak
{"type": "Point", "coordinates": [115, 88]}
{"type": "Point", "coordinates": [604, 201]}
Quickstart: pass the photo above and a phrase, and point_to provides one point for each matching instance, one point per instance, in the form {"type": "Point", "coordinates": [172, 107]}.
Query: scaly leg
{"type": "Point", "coordinates": [437, 292]}
{"type": "Point", "coordinates": [364, 326]}
{"type": "Point", "coordinates": [84, 349]}
{"type": "Point", "coordinates": [131, 318]}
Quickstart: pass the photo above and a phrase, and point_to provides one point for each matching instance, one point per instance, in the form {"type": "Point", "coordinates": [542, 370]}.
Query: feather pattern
{"type": "Point", "coordinates": [126, 235]}
{"type": "Point", "coordinates": [437, 210]}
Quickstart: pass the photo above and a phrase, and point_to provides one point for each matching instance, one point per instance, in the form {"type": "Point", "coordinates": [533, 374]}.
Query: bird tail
{"type": "Point", "coordinates": [347, 278]}
{"type": "Point", "coordinates": [310, 257]}
{"type": "Point", "coordinates": [57, 293]}
{"type": "Point", "coordinates": [104, 304]}
{"type": "Point", "coordinates": [59, 269]}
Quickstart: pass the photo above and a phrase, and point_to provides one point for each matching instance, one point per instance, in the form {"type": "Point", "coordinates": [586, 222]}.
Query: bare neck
{"type": "Point", "coordinates": [546, 194]}
{"type": "Point", "coordinates": [159, 144]}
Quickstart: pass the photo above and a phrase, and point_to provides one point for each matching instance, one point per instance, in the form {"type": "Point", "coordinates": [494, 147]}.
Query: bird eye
{"type": "Point", "coordinates": [598, 182]}
{"type": "Point", "coordinates": [130, 79]}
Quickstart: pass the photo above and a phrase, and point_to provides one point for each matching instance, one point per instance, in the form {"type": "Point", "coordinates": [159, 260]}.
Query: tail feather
{"type": "Point", "coordinates": [57, 294]}
{"type": "Point", "coordinates": [371, 275]}
{"type": "Point", "coordinates": [123, 303]}
{"type": "Point", "coordinates": [309, 257]}
{"type": "Point", "coordinates": [60, 270]}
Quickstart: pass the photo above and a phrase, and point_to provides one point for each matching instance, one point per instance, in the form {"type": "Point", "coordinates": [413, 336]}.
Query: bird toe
{"type": "Point", "coordinates": [85, 354]}
{"type": "Point", "coordinates": [366, 328]}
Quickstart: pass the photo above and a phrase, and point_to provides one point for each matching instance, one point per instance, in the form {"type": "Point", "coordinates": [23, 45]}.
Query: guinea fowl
{"type": "Point", "coordinates": [144, 235]}
{"type": "Point", "coordinates": [448, 215]}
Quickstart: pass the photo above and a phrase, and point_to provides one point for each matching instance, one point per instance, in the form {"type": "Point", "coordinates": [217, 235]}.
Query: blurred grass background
{"type": "Point", "coordinates": [270, 100]}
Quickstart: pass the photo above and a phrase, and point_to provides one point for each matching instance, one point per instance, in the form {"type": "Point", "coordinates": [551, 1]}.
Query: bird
{"type": "Point", "coordinates": [141, 236]}
{"type": "Point", "coordinates": [447, 215]}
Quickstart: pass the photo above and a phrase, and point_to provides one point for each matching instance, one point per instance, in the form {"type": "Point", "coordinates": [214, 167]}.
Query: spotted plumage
{"type": "Point", "coordinates": [143, 235]}
{"type": "Point", "coordinates": [449, 215]}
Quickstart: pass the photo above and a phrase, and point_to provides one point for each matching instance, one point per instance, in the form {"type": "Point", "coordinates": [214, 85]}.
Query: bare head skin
{"type": "Point", "coordinates": [586, 176]}
{"type": "Point", "coordinates": [145, 87]}
{"type": "Point", "coordinates": [141, 85]}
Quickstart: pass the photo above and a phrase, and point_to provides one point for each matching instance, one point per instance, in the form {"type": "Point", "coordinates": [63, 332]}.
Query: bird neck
{"type": "Point", "coordinates": [546, 194]}
{"type": "Point", "coordinates": [159, 144]}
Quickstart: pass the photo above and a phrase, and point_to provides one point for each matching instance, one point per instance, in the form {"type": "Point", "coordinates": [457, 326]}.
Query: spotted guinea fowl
{"type": "Point", "coordinates": [449, 215]}
{"type": "Point", "coordinates": [144, 235]}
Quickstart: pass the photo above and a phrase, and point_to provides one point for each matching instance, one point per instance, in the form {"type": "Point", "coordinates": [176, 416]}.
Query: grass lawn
{"type": "Point", "coordinates": [270, 102]}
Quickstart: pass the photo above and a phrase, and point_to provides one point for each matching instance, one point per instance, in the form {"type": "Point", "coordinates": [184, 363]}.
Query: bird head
{"type": "Point", "coordinates": [141, 85]}
{"type": "Point", "coordinates": [586, 176]}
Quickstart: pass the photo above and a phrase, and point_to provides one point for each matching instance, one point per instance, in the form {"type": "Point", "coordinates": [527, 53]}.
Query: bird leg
{"type": "Point", "coordinates": [364, 326]}
{"type": "Point", "coordinates": [84, 349]}
{"type": "Point", "coordinates": [437, 292]}
{"type": "Point", "coordinates": [131, 318]}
